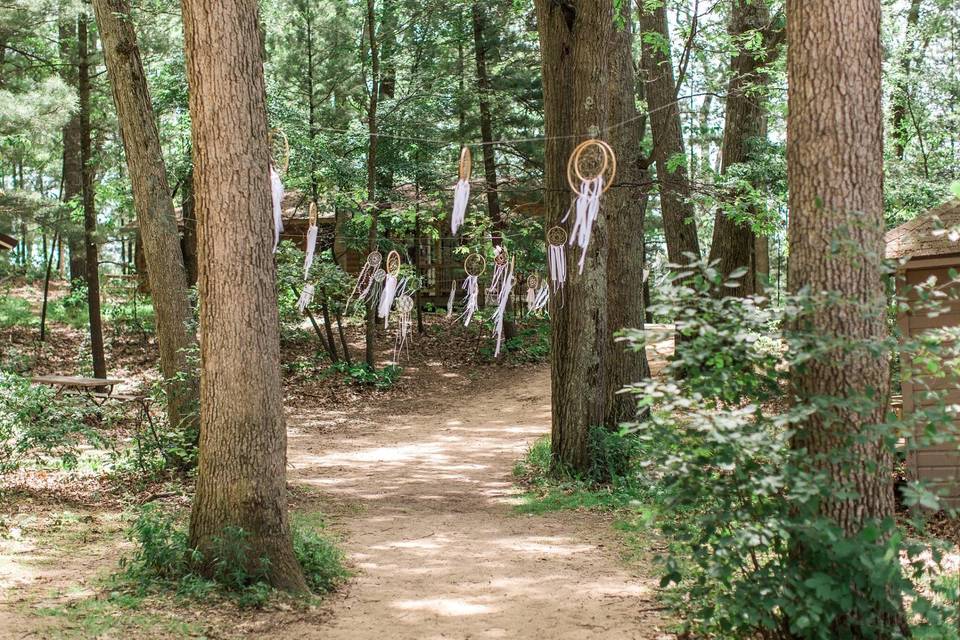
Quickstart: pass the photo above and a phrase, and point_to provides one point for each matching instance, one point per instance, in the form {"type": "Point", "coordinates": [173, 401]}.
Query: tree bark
{"type": "Point", "coordinates": [72, 191]}
{"type": "Point", "coordinates": [241, 478]}
{"type": "Point", "coordinates": [835, 172]}
{"type": "Point", "coordinates": [745, 128]}
{"type": "Point", "coordinates": [586, 90]}
{"type": "Point", "coordinates": [371, 329]}
{"type": "Point", "coordinates": [679, 219]}
{"type": "Point", "coordinates": [901, 89]}
{"type": "Point", "coordinates": [154, 206]}
{"type": "Point", "coordinates": [189, 242]}
{"type": "Point", "coordinates": [92, 259]}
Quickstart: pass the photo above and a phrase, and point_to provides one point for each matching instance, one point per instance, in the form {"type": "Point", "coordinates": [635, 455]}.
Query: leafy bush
{"type": "Point", "coordinates": [752, 555]}
{"type": "Point", "coordinates": [164, 559]}
{"type": "Point", "coordinates": [35, 422]}
{"type": "Point", "coordinates": [531, 344]}
{"type": "Point", "coordinates": [363, 375]}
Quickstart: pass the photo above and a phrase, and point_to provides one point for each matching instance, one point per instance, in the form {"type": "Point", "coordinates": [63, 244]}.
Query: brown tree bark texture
{"type": "Point", "coordinates": [153, 203]}
{"type": "Point", "coordinates": [584, 54]}
{"type": "Point", "coordinates": [735, 244]}
{"type": "Point", "coordinates": [835, 172]}
{"type": "Point", "coordinates": [72, 163]}
{"type": "Point", "coordinates": [241, 479]}
{"type": "Point", "coordinates": [679, 220]}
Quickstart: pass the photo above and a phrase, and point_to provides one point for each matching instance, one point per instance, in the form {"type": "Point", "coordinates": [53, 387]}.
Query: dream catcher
{"type": "Point", "coordinates": [367, 280]}
{"type": "Point", "coordinates": [501, 310]}
{"type": "Point", "coordinates": [461, 194]}
{"type": "Point", "coordinates": [557, 257]}
{"type": "Point", "coordinates": [450, 300]}
{"type": "Point", "coordinates": [405, 309]}
{"type": "Point", "coordinates": [533, 285]}
{"type": "Point", "coordinates": [311, 240]}
{"type": "Point", "coordinates": [538, 293]}
{"type": "Point", "coordinates": [389, 286]}
{"type": "Point", "coordinates": [592, 166]}
{"type": "Point", "coordinates": [277, 170]}
{"type": "Point", "coordinates": [306, 297]}
{"type": "Point", "coordinates": [474, 266]}
{"type": "Point", "coordinates": [500, 263]}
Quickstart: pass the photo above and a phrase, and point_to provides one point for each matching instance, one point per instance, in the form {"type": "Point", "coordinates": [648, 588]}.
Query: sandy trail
{"type": "Point", "coordinates": [424, 502]}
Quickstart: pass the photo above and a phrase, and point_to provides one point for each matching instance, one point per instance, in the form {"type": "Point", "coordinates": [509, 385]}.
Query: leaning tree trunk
{"type": "Point", "coordinates": [154, 206]}
{"type": "Point", "coordinates": [241, 479]}
{"type": "Point", "coordinates": [625, 208]}
{"type": "Point", "coordinates": [679, 220]}
{"type": "Point", "coordinates": [835, 172]}
{"type": "Point", "coordinates": [583, 56]}
{"type": "Point", "coordinates": [734, 243]}
{"type": "Point", "coordinates": [92, 258]}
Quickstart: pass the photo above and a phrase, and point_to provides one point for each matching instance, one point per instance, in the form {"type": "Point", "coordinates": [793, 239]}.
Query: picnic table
{"type": "Point", "coordinates": [90, 387]}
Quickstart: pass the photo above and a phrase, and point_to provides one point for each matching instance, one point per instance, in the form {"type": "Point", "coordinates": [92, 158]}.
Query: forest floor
{"type": "Point", "coordinates": [416, 482]}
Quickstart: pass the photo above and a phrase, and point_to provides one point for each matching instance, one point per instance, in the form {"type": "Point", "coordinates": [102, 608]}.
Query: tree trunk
{"type": "Point", "coordinates": [72, 163]}
{"type": "Point", "coordinates": [89, 206]}
{"type": "Point", "coordinates": [745, 128]}
{"type": "Point", "coordinates": [371, 331]}
{"type": "Point", "coordinates": [625, 208]}
{"type": "Point", "coordinates": [155, 216]}
{"type": "Point", "coordinates": [241, 479]}
{"type": "Point", "coordinates": [679, 220]}
{"type": "Point", "coordinates": [484, 90]}
{"type": "Point", "coordinates": [583, 55]}
{"type": "Point", "coordinates": [835, 172]}
{"type": "Point", "coordinates": [901, 88]}
{"type": "Point", "coordinates": [189, 241]}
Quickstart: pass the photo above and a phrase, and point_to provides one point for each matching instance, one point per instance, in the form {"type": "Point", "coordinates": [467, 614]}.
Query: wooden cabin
{"type": "Point", "coordinates": [926, 251]}
{"type": "Point", "coordinates": [7, 243]}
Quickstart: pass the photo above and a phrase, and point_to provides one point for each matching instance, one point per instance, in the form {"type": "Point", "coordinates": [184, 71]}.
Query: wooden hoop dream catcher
{"type": "Point", "coordinates": [389, 286]}
{"type": "Point", "coordinates": [591, 171]}
{"type": "Point", "coordinates": [461, 193]}
{"type": "Point", "coordinates": [474, 266]}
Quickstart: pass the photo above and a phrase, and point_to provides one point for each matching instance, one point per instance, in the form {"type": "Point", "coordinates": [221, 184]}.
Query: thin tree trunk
{"type": "Point", "coordinates": [72, 163]}
{"type": "Point", "coordinates": [241, 477]}
{"type": "Point", "coordinates": [679, 220]}
{"type": "Point", "coordinates": [154, 206]}
{"type": "Point", "coordinates": [89, 206]}
{"type": "Point", "coordinates": [835, 172]}
{"type": "Point", "coordinates": [901, 88]}
{"type": "Point", "coordinates": [189, 242]}
{"type": "Point", "coordinates": [734, 242]}
{"type": "Point", "coordinates": [371, 332]}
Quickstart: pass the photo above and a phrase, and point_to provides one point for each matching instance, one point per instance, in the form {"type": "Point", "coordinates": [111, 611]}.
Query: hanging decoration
{"type": "Point", "coordinates": [311, 241]}
{"type": "Point", "coordinates": [592, 166]}
{"type": "Point", "coordinates": [557, 258]}
{"type": "Point", "coordinates": [306, 297]}
{"type": "Point", "coordinates": [533, 286]}
{"type": "Point", "coordinates": [461, 194]}
{"type": "Point", "coordinates": [450, 300]}
{"type": "Point", "coordinates": [475, 265]}
{"type": "Point", "coordinates": [389, 287]}
{"type": "Point", "coordinates": [404, 308]}
{"type": "Point", "coordinates": [366, 279]}
{"type": "Point", "coordinates": [500, 260]}
{"type": "Point", "coordinates": [542, 298]}
{"type": "Point", "coordinates": [277, 170]}
{"type": "Point", "coordinates": [501, 310]}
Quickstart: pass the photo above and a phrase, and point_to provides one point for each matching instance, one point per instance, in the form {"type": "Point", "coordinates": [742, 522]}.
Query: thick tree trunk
{"type": "Point", "coordinates": [584, 57]}
{"type": "Point", "coordinates": [901, 88]}
{"type": "Point", "coordinates": [72, 163]}
{"type": "Point", "coordinates": [679, 220]}
{"type": "Point", "coordinates": [745, 128]}
{"type": "Point", "coordinates": [92, 259]}
{"type": "Point", "coordinates": [835, 172]}
{"type": "Point", "coordinates": [154, 206]}
{"type": "Point", "coordinates": [241, 479]}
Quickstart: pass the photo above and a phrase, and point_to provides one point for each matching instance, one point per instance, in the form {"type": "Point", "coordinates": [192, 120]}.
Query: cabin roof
{"type": "Point", "coordinates": [7, 242]}
{"type": "Point", "coordinates": [923, 237]}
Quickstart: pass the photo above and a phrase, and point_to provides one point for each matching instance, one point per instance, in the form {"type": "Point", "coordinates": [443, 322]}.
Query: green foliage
{"type": "Point", "coordinates": [752, 553]}
{"type": "Point", "coordinates": [361, 374]}
{"type": "Point", "coordinates": [163, 560]}
{"type": "Point", "coordinates": [531, 344]}
{"type": "Point", "coordinates": [36, 423]}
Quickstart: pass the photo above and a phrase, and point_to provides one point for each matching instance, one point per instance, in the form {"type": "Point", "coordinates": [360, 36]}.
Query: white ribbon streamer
{"type": "Point", "coordinates": [276, 192]}
{"type": "Point", "coordinates": [461, 197]}
{"type": "Point", "coordinates": [587, 208]}
{"type": "Point", "coordinates": [311, 249]}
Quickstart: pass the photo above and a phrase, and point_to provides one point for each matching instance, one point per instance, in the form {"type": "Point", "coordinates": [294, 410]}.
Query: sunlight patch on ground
{"type": "Point", "coordinates": [552, 546]}
{"type": "Point", "coordinates": [445, 606]}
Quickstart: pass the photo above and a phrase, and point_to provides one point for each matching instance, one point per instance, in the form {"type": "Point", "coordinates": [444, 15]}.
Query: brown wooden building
{"type": "Point", "coordinates": [926, 250]}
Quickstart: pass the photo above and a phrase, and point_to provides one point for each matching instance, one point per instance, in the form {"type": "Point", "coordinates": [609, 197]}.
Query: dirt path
{"type": "Point", "coordinates": [424, 501]}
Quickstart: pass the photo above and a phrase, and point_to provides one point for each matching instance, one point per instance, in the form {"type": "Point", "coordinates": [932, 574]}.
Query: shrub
{"type": "Point", "coordinates": [363, 375]}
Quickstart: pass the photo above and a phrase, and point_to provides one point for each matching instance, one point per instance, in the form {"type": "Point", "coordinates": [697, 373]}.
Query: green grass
{"type": "Point", "coordinates": [118, 614]}
{"type": "Point", "coordinates": [15, 312]}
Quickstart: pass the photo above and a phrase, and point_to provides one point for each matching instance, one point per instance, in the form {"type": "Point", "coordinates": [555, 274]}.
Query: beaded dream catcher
{"type": "Point", "coordinates": [591, 170]}
{"type": "Point", "coordinates": [461, 194]}
{"type": "Point", "coordinates": [311, 241]}
{"type": "Point", "coordinates": [366, 280]}
{"type": "Point", "coordinates": [557, 258]}
{"type": "Point", "coordinates": [389, 286]}
{"type": "Point", "coordinates": [501, 310]}
{"type": "Point", "coordinates": [278, 168]}
{"type": "Point", "coordinates": [474, 266]}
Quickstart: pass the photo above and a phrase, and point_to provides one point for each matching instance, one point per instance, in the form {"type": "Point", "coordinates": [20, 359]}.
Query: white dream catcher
{"type": "Point", "coordinates": [404, 309]}
{"type": "Point", "coordinates": [389, 287]}
{"type": "Point", "coordinates": [311, 241]}
{"type": "Point", "coordinates": [538, 293]}
{"type": "Point", "coordinates": [557, 258]}
{"type": "Point", "coordinates": [461, 193]}
{"type": "Point", "coordinates": [533, 284]}
{"type": "Point", "coordinates": [474, 266]}
{"type": "Point", "coordinates": [500, 264]}
{"type": "Point", "coordinates": [591, 170]}
{"type": "Point", "coordinates": [366, 280]}
{"type": "Point", "coordinates": [501, 310]}
{"type": "Point", "coordinates": [277, 170]}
